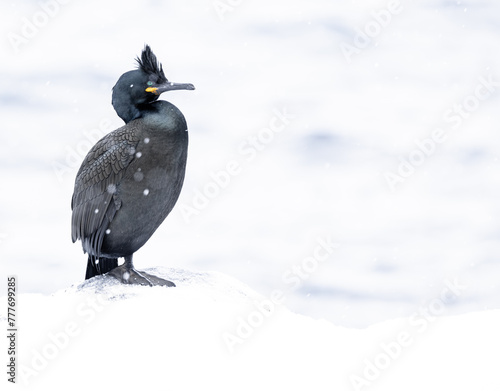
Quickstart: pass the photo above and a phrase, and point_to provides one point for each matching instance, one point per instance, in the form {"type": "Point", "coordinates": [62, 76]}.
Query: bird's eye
{"type": "Point", "coordinates": [150, 83]}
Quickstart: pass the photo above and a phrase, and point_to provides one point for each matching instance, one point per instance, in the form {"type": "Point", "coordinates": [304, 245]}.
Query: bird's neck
{"type": "Point", "coordinates": [126, 109]}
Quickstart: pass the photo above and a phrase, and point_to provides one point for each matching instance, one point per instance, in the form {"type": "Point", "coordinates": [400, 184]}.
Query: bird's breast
{"type": "Point", "coordinates": [150, 187]}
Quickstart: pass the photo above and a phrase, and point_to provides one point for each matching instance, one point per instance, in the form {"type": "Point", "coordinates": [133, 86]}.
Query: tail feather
{"type": "Point", "coordinates": [96, 267]}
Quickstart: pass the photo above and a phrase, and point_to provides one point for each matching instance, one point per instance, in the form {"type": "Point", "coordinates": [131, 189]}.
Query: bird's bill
{"type": "Point", "coordinates": [169, 86]}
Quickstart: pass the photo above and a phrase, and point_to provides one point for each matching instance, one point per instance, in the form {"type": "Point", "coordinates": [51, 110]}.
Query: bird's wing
{"type": "Point", "coordinates": [95, 200]}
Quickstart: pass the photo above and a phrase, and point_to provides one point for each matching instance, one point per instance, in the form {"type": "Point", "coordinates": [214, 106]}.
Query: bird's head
{"type": "Point", "coordinates": [142, 86]}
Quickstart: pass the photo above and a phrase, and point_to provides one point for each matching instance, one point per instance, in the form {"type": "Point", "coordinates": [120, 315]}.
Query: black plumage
{"type": "Point", "coordinates": [131, 179]}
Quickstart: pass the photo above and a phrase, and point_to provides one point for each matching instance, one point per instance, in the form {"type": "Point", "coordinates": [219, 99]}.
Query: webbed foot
{"type": "Point", "coordinates": [126, 274]}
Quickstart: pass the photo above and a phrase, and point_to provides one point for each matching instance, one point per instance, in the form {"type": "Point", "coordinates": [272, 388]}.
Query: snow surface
{"type": "Point", "coordinates": [105, 335]}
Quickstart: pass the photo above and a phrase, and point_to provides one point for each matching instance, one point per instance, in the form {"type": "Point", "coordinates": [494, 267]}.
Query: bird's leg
{"type": "Point", "coordinates": [126, 274]}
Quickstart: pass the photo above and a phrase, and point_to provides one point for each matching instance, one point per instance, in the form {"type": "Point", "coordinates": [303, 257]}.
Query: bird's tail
{"type": "Point", "coordinates": [97, 266]}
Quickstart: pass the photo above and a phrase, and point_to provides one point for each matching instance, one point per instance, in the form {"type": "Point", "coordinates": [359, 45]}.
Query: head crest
{"type": "Point", "coordinates": [150, 65]}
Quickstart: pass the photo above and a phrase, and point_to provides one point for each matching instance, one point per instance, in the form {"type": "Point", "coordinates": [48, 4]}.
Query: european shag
{"type": "Point", "coordinates": [131, 179]}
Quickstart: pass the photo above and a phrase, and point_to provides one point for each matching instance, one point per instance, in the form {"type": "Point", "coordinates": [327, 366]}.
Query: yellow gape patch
{"type": "Point", "coordinates": [152, 89]}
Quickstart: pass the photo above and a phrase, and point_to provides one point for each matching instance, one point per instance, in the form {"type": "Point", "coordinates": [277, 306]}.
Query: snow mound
{"type": "Point", "coordinates": [213, 332]}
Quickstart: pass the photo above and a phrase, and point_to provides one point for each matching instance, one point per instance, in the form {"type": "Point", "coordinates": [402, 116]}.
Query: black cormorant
{"type": "Point", "coordinates": [131, 179]}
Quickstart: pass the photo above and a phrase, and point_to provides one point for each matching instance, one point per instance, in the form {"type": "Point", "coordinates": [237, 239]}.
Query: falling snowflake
{"type": "Point", "coordinates": [138, 176]}
{"type": "Point", "coordinates": [146, 140]}
{"type": "Point", "coordinates": [138, 154]}
{"type": "Point", "coordinates": [96, 211]}
{"type": "Point", "coordinates": [108, 231]}
{"type": "Point", "coordinates": [145, 192]}
{"type": "Point", "coordinates": [112, 188]}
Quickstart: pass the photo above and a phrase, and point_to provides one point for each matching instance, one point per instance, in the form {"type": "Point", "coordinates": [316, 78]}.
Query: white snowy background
{"type": "Point", "coordinates": [357, 109]}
